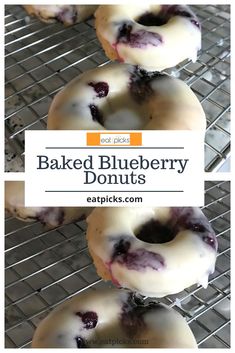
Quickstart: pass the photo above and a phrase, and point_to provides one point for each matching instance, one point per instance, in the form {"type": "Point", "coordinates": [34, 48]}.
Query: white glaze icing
{"type": "Point", "coordinates": [131, 100]}
{"type": "Point", "coordinates": [179, 38]}
{"type": "Point", "coordinates": [51, 216]}
{"type": "Point", "coordinates": [152, 269]}
{"type": "Point", "coordinates": [114, 322]}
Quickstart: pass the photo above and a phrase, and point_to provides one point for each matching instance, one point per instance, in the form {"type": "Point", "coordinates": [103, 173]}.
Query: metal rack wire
{"type": "Point", "coordinates": [41, 59]}
{"type": "Point", "coordinates": [45, 267]}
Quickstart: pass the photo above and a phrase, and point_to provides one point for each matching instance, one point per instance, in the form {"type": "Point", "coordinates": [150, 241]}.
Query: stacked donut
{"type": "Point", "coordinates": [154, 37]}
{"type": "Point", "coordinates": [65, 14]}
{"type": "Point", "coordinates": [135, 94]}
{"type": "Point", "coordinates": [50, 216]}
{"type": "Point", "coordinates": [149, 251]}
{"type": "Point", "coordinates": [112, 318]}
{"type": "Point", "coordinates": [152, 251]}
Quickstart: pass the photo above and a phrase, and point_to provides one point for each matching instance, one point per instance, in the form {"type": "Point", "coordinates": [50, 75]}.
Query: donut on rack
{"type": "Point", "coordinates": [50, 216]}
{"type": "Point", "coordinates": [111, 318]}
{"type": "Point", "coordinates": [66, 14]}
{"type": "Point", "coordinates": [124, 97]}
{"type": "Point", "coordinates": [154, 37]}
{"type": "Point", "coordinates": [153, 251]}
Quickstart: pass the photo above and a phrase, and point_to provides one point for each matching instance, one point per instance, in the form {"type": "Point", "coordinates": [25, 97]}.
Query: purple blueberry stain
{"type": "Point", "coordinates": [80, 343]}
{"type": "Point", "coordinates": [43, 215]}
{"type": "Point", "coordinates": [120, 248]}
{"type": "Point", "coordinates": [140, 260]}
{"type": "Point", "coordinates": [137, 39]}
{"type": "Point", "coordinates": [184, 219]}
{"type": "Point", "coordinates": [54, 214]}
{"type": "Point", "coordinates": [59, 17]}
{"type": "Point", "coordinates": [63, 15]}
{"type": "Point", "coordinates": [196, 23]}
{"type": "Point", "coordinates": [101, 88]}
{"type": "Point", "coordinates": [211, 241]}
{"type": "Point", "coordinates": [96, 114]}
{"type": "Point", "coordinates": [137, 260]}
{"type": "Point", "coordinates": [141, 39]}
{"type": "Point", "coordinates": [124, 31]}
{"type": "Point", "coordinates": [89, 319]}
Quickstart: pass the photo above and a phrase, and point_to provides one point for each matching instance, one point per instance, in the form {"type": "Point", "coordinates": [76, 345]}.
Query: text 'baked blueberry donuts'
{"type": "Point", "coordinates": [66, 14]}
{"type": "Point", "coordinates": [111, 318]}
{"type": "Point", "coordinates": [154, 37]}
{"type": "Point", "coordinates": [153, 251]}
{"type": "Point", "coordinates": [123, 97]}
{"type": "Point", "coordinates": [50, 216]}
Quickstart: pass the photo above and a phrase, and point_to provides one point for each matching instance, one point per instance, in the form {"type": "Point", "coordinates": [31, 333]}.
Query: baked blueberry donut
{"type": "Point", "coordinates": [50, 216]}
{"type": "Point", "coordinates": [153, 251]}
{"type": "Point", "coordinates": [154, 37]}
{"type": "Point", "coordinates": [124, 97]}
{"type": "Point", "coordinates": [111, 318]}
{"type": "Point", "coordinates": [66, 14]}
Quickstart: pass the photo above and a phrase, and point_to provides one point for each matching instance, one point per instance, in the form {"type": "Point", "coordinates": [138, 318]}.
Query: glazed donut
{"type": "Point", "coordinates": [124, 97]}
{"type": "Point", "coordinates": [153, 251]}
{"type": "Point", "coordinates": [111, 318]}
{"type": "Point", "coordinates": [50, 216]}
{"type": "Point", "coordinates": [155, 37]}
{"type": "Point", "coordinates": [66, 14]}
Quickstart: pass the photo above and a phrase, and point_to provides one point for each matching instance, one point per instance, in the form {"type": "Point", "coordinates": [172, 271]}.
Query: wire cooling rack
{"type": "Point", "coordinates": [41, 59]}
{"type": "Point", "coordinates": [43, 268]}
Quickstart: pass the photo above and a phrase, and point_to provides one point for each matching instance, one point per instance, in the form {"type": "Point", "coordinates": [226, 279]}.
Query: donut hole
{"type": "Point", "coordinates": [167, 12]}
{"type": "Point", "coordinates": [155, 232]}
{"type": "Point", "coordinates": [152, 19]}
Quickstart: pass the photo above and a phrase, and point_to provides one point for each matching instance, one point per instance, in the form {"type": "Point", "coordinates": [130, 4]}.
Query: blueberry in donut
{"type": "Point", "coordinates": [101, 88]}
{"type": "Point", "coordinates": [89, 319]}
{"type": "Point", "coordinates": [137, 39]}
{"type": "Point", "coordinates": [96, 114]}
